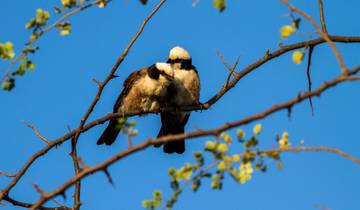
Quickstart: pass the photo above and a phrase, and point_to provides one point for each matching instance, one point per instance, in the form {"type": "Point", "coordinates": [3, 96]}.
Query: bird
{"type": "Point", "coordinates": [183, 90]}
{"type": "Point", "coordinates": [143, 91]}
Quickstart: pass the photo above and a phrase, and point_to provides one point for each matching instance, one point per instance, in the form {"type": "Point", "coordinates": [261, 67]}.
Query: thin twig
{"type": "Point", "coordinates": [322, 16]}
{"type": "Point", "coordinates": [233, 70]}
{"type": "Point", "coordinates": [7, 174]}
{"type": "Point", "coordinates": [354, 78]}
{"type": "Point", "coordinates": [28, 205]}
{"type": "Point", "coordinates": [308, 75]}
{"type": "Point", "coordinates": [321, 33]}
{"type": "Point", "coordinates": [75, 159]}
{"type": "Point", "coordinates": [36, 131]}
{"type": "Point", "coordinates": [318, 149]}
{"type": "Point", "coordinates": [222, 59]}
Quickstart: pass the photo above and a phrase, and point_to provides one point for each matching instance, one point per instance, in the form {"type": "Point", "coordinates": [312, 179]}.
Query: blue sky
{"type": "Point", "coordinates": [59, 91]}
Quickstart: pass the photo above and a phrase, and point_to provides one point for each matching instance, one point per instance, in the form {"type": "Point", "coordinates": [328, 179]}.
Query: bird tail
{"type": "Point", "coordinates": [110, 133]}
{"type": "Point", "coordinates": [173, 125]}
{"type": "Point", "coordinates": [175, 146]}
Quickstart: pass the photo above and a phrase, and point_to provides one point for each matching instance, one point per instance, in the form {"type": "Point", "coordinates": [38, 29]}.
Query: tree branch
{"type": "Point", "coordinates": [77, 132]}
{"type": "Point", "coordinates": [75, 159]}
{"type": "Point", "coordinates": [321, 33]}
{"type": "Point", "coordinates": [213, 132]}
{"type": "Point", "coordinates": [268, 57]}
{"type": "Point", "coordinates": [322, 16]}
{"type": "Point", "coordinates": [28, 205]}
{"type": "Point", "coordinates": [318, 149]}
{"type": "Point", "coordinates": [7, 174]}
{"type": "Point", "coordinates": [101, 87]}
{"type": "Point", "coordinates": [36, 131]}
{"type": "Point", "coordinates": [311, 48]}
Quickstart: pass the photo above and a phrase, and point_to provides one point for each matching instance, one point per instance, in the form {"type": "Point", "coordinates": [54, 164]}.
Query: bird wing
{"type": "Point", "coordinates": [128, 83]}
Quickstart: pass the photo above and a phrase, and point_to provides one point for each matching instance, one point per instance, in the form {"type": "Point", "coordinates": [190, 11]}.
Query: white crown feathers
{"type": "Point", "coordinates": [179, 53]}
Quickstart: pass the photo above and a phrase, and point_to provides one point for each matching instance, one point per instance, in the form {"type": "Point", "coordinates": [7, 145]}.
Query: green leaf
{"type": "Point", "coordinates": [8, 84]}
{"type": "Point", "coordinates": [57, 10]}
{"type": "Point", "coordinates": [30, 65]}
{"type": "Point", "coordinates": [31, 23]}
{"type": "Point", "coordinates": [21, 70]}
{"type": "Point", "coordinates": [7, 51]}
{"type": "Point", "coordinates": [220, 5]}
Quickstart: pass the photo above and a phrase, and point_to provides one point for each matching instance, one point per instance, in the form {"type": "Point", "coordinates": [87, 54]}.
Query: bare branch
{"type": "Point", "coordinates": [322, 16]}
{"type": "Point", "coordinates": [115, 67]}
{"type": "Point", "coordinates": [76, 133]}
{"type": "Point", "coordinates": [318, 149]}
{"type": "Point", "coordinates": [311, 48]}
{"type": "Point", "coordinates": [231, 69]}
{"type": "Point", "coordinates": [354, 78]}
{"type": "Point", "coordinates": [222, 59]}
{"type": "Point", "coordinates": [97, 98]}
{"type": "Point", "coordinates": [198, 133]}
{"type": "Point", "coordinates": [321, 33]}
{"type": "Point", "coordinates": [268, 57]}
{"type": "Point", "coordinates": [36, 131]}
{"type": "Point", "coordinates": [106, 163]}
{"type": "Point", "coordinates": [7, 174]}
{"type": "Point", "coordinates": [28, 205]}
{"type": "Point", "coordinates": [75, 159]}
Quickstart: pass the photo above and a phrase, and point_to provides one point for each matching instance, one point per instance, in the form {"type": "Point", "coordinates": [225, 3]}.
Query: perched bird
{"type": "Point", "coordinates": [144, 90]}
{"type": "Point", "coordinates": [183, 90]}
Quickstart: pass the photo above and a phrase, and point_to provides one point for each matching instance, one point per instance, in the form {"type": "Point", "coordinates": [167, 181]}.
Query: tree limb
{"type": "Point", "coordinates": [322, 16]}
{"type": "Point", "coordinates": [28, 205]}
{"type": "Point", "coordinates": [213, 132]}
{"type": "Point", "coordinates": [321, 33]}
{"type": "Point", "coordinates": [268, 57]}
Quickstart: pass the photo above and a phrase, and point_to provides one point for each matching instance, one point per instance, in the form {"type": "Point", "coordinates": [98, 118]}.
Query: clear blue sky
{"type": "Point", "coordinates": [58, 93]}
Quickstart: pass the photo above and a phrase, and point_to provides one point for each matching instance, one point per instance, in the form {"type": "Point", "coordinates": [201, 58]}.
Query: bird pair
{"type": "Point", "coordinates": [174, 83]}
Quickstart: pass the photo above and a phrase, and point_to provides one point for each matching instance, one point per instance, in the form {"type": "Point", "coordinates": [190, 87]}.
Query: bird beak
{"type": "Point", "coordinates": [170, 78]}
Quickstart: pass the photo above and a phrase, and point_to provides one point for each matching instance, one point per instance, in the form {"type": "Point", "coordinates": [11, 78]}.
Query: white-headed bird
{"type": "Point", "coordinates": [144, 90]}
{"type": "Point", "coordinates": [183, 90]}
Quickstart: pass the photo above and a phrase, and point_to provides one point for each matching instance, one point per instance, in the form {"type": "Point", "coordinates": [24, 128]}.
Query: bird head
{"type": "Point", "coordinates": [180, 58]}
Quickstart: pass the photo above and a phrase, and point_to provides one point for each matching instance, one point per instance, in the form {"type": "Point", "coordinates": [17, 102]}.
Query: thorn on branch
{"type": "Point", "coordinates": [82, 164]}
{"type": "Point", "coordinates": [97, 82]}
{"type": "Point", "coordinates": [39, 190]}
{"type": "Point", "coordinates": [63, 195]}
{"type": "Point", "coordinates": [114, 76]}
{"type": "Point", "coordinates": [289, 112]}
{"type": "Point", "coordinates": [267, 53]}
{"type": "Point", "coordinates": [108, 175]}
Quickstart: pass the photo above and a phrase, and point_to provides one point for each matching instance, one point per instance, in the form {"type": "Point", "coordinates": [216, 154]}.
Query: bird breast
{"type": "Point", "coordinates": [188, 86]}
{"type": "Point", "coordinates": [152, 87]}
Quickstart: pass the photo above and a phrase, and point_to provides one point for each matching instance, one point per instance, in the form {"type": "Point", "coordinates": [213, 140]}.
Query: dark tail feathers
{"type": "Point", "coordinates": [176, 146]}
{"type": "Point", "coordinates": [110, 133]}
